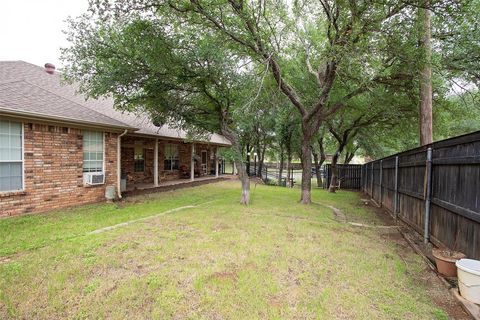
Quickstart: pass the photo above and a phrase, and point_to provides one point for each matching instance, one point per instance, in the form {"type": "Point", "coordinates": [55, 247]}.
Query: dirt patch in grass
{"type": "Point", "coordinates": [435, 288]}
{"type": "Point", "coordinates": [441, 297]}
{"type": "Point", "coordinates": [380, 213]}
{"type": "Point", "coordinates": [225, 275]}
{"type": "Point", "coordinates": [221, 226]}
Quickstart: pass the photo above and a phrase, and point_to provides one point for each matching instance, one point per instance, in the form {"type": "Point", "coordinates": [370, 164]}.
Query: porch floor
{"type": "Point", "coordinates": [142, 188]}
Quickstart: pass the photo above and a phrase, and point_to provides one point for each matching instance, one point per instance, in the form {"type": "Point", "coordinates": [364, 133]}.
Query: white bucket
{"type": "Point", "coordinates": [469, 279]}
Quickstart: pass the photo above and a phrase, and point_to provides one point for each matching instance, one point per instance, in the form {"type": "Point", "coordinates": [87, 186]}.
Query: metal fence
{"type": "Point", "coordinates": [272, 175]}
{"type": "Point", "coordinates": [435, 189]}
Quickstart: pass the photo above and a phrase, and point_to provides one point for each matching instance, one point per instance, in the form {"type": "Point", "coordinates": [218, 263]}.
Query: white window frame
{"type": "Point", "coordinates": [103, 151]}
{"type": "Point", "coordinates": [171, 159]}
{"type": "Point", "coordinates": [17, 161]}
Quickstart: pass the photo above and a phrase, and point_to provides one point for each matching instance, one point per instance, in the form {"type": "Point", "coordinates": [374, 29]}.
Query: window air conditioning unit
{"type": "Point", "coordinates": [93, 178]}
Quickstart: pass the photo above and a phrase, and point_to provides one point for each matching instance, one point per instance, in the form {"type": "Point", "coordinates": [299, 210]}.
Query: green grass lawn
{"type": "Point", "coordinates": [275, 259]}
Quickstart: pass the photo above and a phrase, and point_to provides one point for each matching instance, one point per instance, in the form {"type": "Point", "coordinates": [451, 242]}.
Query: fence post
{"type": "Point", "coordinates": [395, 200]}
{"type": "Point", "coordinates": [266, 173]}
{"type": "Point", "coordinates": [361, 178]}
{"type": "Point", "coordinates": [371, 187]}
{"type": "Point", "coordinates": [366, 178]}
{"type": "Point", "coordinates": [365, 187]}
{"type": "Point", "coordinates": [381, 183]}
{"type": "Point", "coordinates": [428, 187]}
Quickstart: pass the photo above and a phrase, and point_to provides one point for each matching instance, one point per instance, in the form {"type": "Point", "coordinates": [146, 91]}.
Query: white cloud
{"type": "Point", "coordinates": [31, 30]}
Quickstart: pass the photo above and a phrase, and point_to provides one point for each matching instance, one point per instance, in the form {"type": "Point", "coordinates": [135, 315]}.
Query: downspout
{"type": "Point", "coordinates": [119, 166]}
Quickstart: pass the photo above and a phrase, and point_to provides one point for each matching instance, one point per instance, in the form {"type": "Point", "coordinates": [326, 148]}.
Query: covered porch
{"type": "Point", "coordinates": [172, 185]}
{"type": "Point", "coordinates": [149, 163]}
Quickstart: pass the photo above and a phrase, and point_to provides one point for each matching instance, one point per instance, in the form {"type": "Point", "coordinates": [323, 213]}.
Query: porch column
{"type": "Point", "coordinates": [216, 162]}
{"type": "Point", "coordinates": [192, 163]}
{"type": "Point", "coordinates": [119, 163]}
{"type": "Point", "coordinates": [155, 164]}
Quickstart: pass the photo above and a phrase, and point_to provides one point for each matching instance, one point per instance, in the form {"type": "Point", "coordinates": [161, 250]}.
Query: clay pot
{"type": "Point", "coordinates": [445, 261]}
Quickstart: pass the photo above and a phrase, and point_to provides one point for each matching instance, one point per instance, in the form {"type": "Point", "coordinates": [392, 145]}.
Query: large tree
{"type": "Point", "coordinates": [449, 42]}
{"type": "Point", "coordinates": [425, 75]}
{"type": "Point", "coordinates": [258, 123]}
{"type": "Point", "coordinates": [287, 134]}
{"type": "Point", "coordinates": [320, 54]}
{"type": "Point", "coordinates": [196, 85]}
{"type": "Point", "coordinates": [379, 109]}
{"type": "Point", "coordinates": [456, 44]}
{"type": "Point", "coordinates": [309, 47]}
{"type": "Point", "coordinates": [319, 154]}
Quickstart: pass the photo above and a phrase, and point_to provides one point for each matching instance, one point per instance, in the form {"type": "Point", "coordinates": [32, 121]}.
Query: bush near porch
{"type": "Point", "coordinates": [274, 259]}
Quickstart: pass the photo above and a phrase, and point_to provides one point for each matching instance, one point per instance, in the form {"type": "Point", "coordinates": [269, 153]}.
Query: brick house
{"type": "Point", "coordinates": [58, 149]}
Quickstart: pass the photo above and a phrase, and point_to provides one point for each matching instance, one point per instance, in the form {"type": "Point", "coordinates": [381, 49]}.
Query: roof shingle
{"type": "Point", "coordinates": [24, 97]}
{"type": "Point", "coordinates": [64, 100]}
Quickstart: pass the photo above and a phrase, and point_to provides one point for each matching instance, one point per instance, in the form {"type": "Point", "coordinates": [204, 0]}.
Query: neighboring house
{"type": "Point", "coordinates": [58, 149]}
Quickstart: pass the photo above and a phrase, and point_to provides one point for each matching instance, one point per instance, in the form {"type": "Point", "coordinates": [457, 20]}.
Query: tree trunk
{"type": "Point", "coordinates": [256, 159]}
{"type": "Point", "coordinates": [349, 157]}
{"type": "Point", "coordinates": [239, 164]}
{"type": "Point", "coordinates": [280, 170]}
{"type": "Point", "coordinates": [317, 169]}
{"type": "Point", "coordinates": [261, 158]}
{"type": "Point", "coordinates": [334, 166]}
{"type": "Point", "coordinates": [248, 160]}
{"type": "Point", "coordinates": [323, 155]}
{"type": "Point", "coordinates": [425, 112]}
{"type": "Point", "coordinates": [306, 158]}
{"type": "Point", "coordinates": [334, 169]}
{"type": "Point", "coordinates": [245, 180]}
{"type": "Point", "coordinates": [319, 172]}
{"type": "Point", "coordinates": [289, 162]}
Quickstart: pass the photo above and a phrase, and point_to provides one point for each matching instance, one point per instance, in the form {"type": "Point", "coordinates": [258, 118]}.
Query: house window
{"type": "Point", "coordinates": [171, 157]}
{"type": "Point", "coordinates": [11, 156]}
{"type": "Point", "coordinates": [139, 158]}
{"type": "Point", "coordinates": [92, 151]}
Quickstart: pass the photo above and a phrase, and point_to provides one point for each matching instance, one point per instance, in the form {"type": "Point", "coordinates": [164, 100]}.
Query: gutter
{"type": "Point", "coordinates": [178, 139]}
{"type": "Point", "coordinates": [59, 119]}
{"type": "Point", "coordinates": [119, 166]}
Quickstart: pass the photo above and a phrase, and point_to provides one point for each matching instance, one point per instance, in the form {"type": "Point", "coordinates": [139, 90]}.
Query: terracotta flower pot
{"type": "Point", "coordinates": [445, 261]}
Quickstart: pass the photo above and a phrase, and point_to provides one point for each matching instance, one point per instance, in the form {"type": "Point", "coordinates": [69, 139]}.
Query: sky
{"type": "Point", "coordinates": [31, 30]}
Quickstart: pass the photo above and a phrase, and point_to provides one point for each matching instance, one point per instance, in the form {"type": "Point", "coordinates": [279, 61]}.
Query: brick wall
{"type": "Point", "coordinates": [53, 171]}
{"type": "Point", "coordinates": [128, 163]}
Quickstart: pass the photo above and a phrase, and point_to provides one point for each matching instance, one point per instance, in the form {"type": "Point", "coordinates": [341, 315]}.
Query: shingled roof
{"type": "Point", "coordinates": [28, 89]}
{"type": "Point", "coordinates": [23, 98]}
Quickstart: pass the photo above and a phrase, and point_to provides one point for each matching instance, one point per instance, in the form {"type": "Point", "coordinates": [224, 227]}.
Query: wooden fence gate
{"type": "Point", "coordinates": [350, 176]}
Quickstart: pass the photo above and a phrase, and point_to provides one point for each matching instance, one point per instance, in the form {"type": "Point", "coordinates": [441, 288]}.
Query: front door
{"type": "Point", "coordinates": [204, 161]}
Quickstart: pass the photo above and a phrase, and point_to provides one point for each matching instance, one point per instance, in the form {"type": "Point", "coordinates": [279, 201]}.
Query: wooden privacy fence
{"type": "Point", "coordinates": [350, 176]}
{"type": "Point", "coordinates": [435, 189]}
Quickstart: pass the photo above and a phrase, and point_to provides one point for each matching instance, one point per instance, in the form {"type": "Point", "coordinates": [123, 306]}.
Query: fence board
{"type": "Point", "coordinates": [455, 190]}
{"type": "Point", "coordinates": [350, 175]}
